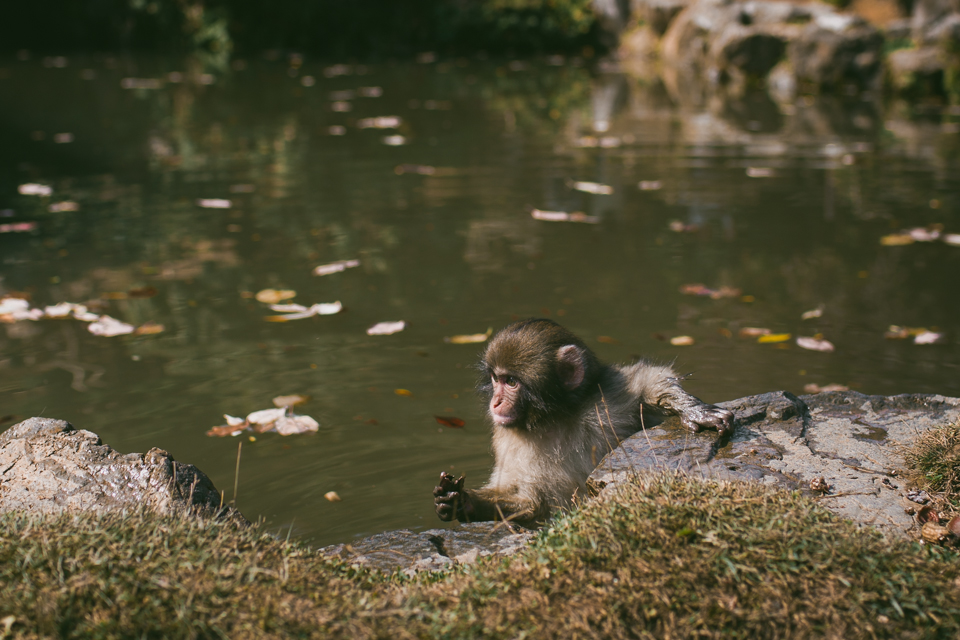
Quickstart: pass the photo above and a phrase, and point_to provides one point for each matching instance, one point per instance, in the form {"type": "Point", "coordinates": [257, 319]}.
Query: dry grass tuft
{"type": "Point", "coordinates": [669, 557]}
{"type": "Point", "coordinates": [933, 464]}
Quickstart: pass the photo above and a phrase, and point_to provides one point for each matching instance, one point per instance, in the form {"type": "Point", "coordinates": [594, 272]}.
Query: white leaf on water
{"type": "Point", "coordinates": [335, 267]}
{"type": "Point", "coordinates": [214, 203]}
{"type": "Point", "coordinates": [591, 187]}
{"type": "Point", "coordinates": [289, 425]}
{"type": "Point", "coordinates": [394, 141]}
{"type": "Point", "coordinates": [288, 308]}
{"type": "Point", "coordinates": [233, 421]}
{"type": "Point", "coordinates": [266, 416]}
{"type": "Point", "coordinates": [11, 305]}
{"type": "Point", "coordinates": [927, 337]}
{"type": "Point", "coordinates": [563, 216]}
{"type": "Point", "coordinates": [386, 328]}
{"type": "Point", "coordinates": [109, 327]}
{"type": "Point", "coordinates": [380, 122]}
{"type": "Point", "coordinates": [59, 310]}
{"type": "Point", "coordinates": [33, 189]}
{"type": "Point", "coordinates": [814, 344]}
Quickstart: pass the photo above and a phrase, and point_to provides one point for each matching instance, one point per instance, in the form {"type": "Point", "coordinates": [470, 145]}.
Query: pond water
{"type": "Point", "coordinates": [779, 209]}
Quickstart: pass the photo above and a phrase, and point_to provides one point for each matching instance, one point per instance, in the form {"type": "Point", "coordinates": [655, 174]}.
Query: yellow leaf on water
{"type": "Point", "coordinates": [471, 338]}
{"type": "Point", "coordinates": [896, 240]}
{"type": "Point", "coordinates": [403, 392]}
{"type": "Point", "coordinates": [773, 337]}
{"type": "Point", "coordinates": [681, 341]}
{"type": "Point", "coordinates": [273, 296]}
{"type": "Point", "coordinates": [289, 401]}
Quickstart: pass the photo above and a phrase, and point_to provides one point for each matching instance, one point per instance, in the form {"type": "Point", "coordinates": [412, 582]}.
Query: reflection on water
{"type": "Point", "coordinates": [784, 202]}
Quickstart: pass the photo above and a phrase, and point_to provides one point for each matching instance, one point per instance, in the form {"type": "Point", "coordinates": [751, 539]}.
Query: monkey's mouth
{"type": "Point", "coordinates": [505, 421]}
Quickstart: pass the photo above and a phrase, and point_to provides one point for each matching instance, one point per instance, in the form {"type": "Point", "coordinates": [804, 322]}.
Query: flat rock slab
{"type": "Point", "coordinates": [432, 550]}
{"type": "Point", "coordinates": [849, 439]}
{"type": "Point", "coordinates": [48, 466]}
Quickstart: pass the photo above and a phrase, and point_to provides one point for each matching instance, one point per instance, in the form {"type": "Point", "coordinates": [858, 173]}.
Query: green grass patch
{"type": "Point", "coordinates": [669, 557]}
{"type": "Point", "coordinates": [933, 464]}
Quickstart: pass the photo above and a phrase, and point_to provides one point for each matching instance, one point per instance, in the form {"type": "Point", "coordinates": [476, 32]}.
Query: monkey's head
{"type": "Point", "coordinates": [536, 373]}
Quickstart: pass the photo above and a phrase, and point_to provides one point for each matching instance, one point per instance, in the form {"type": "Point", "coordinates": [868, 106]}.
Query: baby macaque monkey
{"type": "Point", "coordinates": [556, 411]}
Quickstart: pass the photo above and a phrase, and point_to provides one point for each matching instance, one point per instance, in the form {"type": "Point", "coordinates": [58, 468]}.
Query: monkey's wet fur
{"type": "Point", "coordinates": [556, 411]}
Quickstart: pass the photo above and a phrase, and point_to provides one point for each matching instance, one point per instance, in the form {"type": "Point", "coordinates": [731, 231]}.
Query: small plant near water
{"type": "Point", "coordinates": [933, 465]}
{"type": "Point", "coordinates": [665, 557]}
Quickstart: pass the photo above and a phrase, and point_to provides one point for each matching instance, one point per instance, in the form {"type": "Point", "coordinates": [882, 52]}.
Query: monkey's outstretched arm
{"type": "Point", "coordinates": [659, 387]}
{"type": "Point", "coordinates": [477, 505]}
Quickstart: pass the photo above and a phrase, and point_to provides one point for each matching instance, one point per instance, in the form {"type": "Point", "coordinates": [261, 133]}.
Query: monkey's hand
{"type": "Point", "coordinates": [450, 498]}
{"type": "Point", "coordinates": [707, 416]}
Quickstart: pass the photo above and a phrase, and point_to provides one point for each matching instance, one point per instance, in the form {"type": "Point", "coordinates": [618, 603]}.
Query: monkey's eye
{"type": "Point", "coordinates": [510, 381]}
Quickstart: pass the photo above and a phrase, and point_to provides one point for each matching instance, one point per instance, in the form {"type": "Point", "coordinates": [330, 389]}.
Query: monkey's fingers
{"type": "Point", "coordinates": [708, 416]}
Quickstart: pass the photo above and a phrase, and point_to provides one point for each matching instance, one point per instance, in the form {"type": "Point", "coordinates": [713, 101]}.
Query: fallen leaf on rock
{"type": "Point", "coordinates": [149, 329]}
{"type": "Point", "coordinates": [34, 189]}
{"type": "Point", "coordinates": [109, 327]}
{"type": "Point", "coordinates": [403, 392]}
{"type": "Point", "coordinates": [214, 203]}
{"type": "Point", "coordinates": [273, 296]}
{"type": "Point", "coordinates": [773, 337]}
{"type": "Point", "coordinates": [450, 421]}
{"type": "Point", "coordinates": [896, 240]}
{"type": "Point", "coordinates": [66, 205]}
{"type": "Point", "coordinates": [815, 388]}
{"type": "Point", "coordinates": [18, 227]}
{"type": "Point", "coordinates": [563, 216]}
{"type": "Point", "coordinates": [293, 424]}
{"type": "Point", "coordinates": [471, 338]}
{"type": "Point", "coordinates": [814, 344]}
{"type": "Point", "coordinates": [332, 496]}
{"type": "Point", "coordinates": [335, 267]}
{"type": "Point", "coordinates": [590, 187]}
{"type": "Point", "coordinates": [813, 313]}
{"type": "Point", "coordinates": [285, 402]}
{"type": "Point", "coordinates": [386, 328]}
{"type": "Point", "coordinates": [681, 341]}
{"type": "Point", "coordinates": [927, 337]}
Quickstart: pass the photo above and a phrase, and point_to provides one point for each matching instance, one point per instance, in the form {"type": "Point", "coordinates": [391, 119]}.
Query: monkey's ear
{"type": "Point", "coordinates": [570, 366]}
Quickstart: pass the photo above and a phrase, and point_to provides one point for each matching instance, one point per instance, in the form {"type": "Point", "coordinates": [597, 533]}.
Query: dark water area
{"type": "Point", "coordinates": [779, 209]}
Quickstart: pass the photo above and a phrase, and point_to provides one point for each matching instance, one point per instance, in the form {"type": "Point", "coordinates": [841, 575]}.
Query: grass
{"type": "Point", "coordinates": [669, 557]}
{"type": "Point", "coordinates": [933, 465]}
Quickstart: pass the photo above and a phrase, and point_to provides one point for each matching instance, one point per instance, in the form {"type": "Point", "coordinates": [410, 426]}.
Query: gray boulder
{"type": "Point", "coordinates": [48, 466]}
{"type": "Point", "coordinates": [848, 439]}
{"type": "Point", "coordinates": [728, 42]}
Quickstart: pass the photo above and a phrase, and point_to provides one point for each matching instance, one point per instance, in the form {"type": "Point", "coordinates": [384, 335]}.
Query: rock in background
{"type": "Point", "coordinates": [48, 466]}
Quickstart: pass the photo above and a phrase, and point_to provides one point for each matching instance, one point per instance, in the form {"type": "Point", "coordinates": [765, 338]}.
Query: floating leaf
{"type": "Point", "coordinates": [700, 289]}
{"type": "Point", "coordinates": [650, 185]}
{"type": "Point", "coordinates": [300, 312]}
{"type": "Point", "coordinates": [450, 421]}
{"type": "Point", "coordinates": [590, 187]}
{"type": "Point", "coordinates": [266, 416]}
{"type": "Point", "coordinates": [380, 122]}
{"type": "Point", "coordinates": [143, 292]}
{"type": "Point", "coordinates": [285, 402]}
{"type": "Point", "coordinates": [815, 388]}
{"type": "Point", "coordinates": [214, 203]}
{"type": "Point", "coordinates": [386, 328]}
{"type": "Point", "coordinates": [814, 344]}
{"type": "Point", "coordinates": [773, 337]}
{"type": "Point", "coordinates": [109, 327]}
{"type": "Point", "coordinates": [403, 392]}
{"type": "Point", "coordinates": [149, 329]}
{"type": "Point", "coordinates": [952, 238]}
{"type": "Point", "coordinates": [34, 189]}
{"type": "Point", "coordinates": [813, 313]}
{"type": "Point", "coordinates": [471, 338]}
{"type": "Point", "coordinates": [681, 341]}
{"type": "Point", "coordinates": [224, 430]}
{"type": "Point", "coordinates": [234, 421]}
{"type": "Point", "coordinates": [896, 240]}
{"type": "Point", "coordinates": [293, 424]}
{"type": "Point", "coordinates": [61, 207]}
{"type": "Point", "coordinates": [332, 496]}
{"type": "Point", "coordinates": [273, 296]}
{"type": "Point", "coordinates": [677, 226]}
{"type": "Point", "coordinates": [760, 172]}
{"type": "Point", "coordinates": [12, 305]}
{"type": "Point", "coordinates": [563, 216]}
{"type": "Point", "coordinates": [335, 267]}
{"type": "Point", "coordinates": [18, 227]}
{"type": "Point", "coordinates": [394, 141]}
{"type": "Point", "coordinates": [927, 337]}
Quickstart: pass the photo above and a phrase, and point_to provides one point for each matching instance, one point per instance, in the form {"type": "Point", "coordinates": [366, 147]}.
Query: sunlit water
{"type": "Point", "coordinates": [785, 203]}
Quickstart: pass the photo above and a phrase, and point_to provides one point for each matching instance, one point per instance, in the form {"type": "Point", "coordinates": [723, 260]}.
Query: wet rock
{"type": "Point", "coordinates": [48, 466]}
{"type": "Point", "coordinates": [432, 550]}
{"type": "Point", "coordinates": [845, 440]}
{"type": "Point", "coordinates": [732, 41]}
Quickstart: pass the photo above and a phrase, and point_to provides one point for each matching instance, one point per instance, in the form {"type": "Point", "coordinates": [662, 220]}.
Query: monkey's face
{"type": "Point", "coordinates": [506, 406]}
